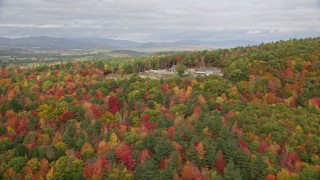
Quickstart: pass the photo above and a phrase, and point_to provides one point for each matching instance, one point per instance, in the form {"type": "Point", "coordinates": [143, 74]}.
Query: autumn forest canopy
{"type": "Point", "coordinates": [99, 119]}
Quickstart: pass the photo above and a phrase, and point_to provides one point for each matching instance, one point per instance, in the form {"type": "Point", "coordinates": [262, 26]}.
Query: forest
{"type": "Point", "coordinates": [76, 120]}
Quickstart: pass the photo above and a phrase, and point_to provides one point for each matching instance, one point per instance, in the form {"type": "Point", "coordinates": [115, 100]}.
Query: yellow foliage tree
{"type": "Point", "coordinates": [113, 141]}
{"type": "Point", "coordinates": [34, 164]}
{"type": "Point", "coordinates": [87, 150]}
{"type": "Point", "coordinates": [206, 131]}
{"type": "Point", "coordinates": [219, 100]}
{"type": "Point", "coordinates": [44, 140]}
{"type": "Point", "coordinates": [108, 117]}
{"type": "Point", "coordinates": [201, 86]}
{"type": "Point", "coordinates": [201, 150]}
{"type": "Point", "coordinates": [233, 92]}
{"type": "Point", "coordinates": [176, 90]}
{"type": "Point", "coordinates": [60, 146]}
{"type": "Point", "coordinates": [298, 128]}
{"type": "Point", "coordinates": [157, 106]}
{"type": "Point", "coordinates": [44, 110]}
{"type": "Point", "coordinates": [136, 121]}
{"type": "Point", "coordinates": [102, 148]}
{"type": "Point", "coordinates": [117, 173]}
{"type": "Point", "coordinates": [285, 175]}
{"type": "Point", "coordinates": [50, 174]}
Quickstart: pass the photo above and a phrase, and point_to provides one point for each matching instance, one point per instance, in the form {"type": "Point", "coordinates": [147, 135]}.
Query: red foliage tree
{"type": "Point", "coordinates": [96, 169]}
{"type": "Point", "coordinates": [145, 117]}
{"type": "Point", "coordinates": [294, 158]}
{"type": "Point", "coordinates": [191, 172]}
{"type": "Point", "coordinates": [270, 177]}
{"type": "Point", "coordinates": [56, 72]}
{"type": "Point", "coordinates": [163, 163]}
{"type": "Point", "coordinates": [87, 97]}
{"type": "Point", "coordinates": [197, 111]}
{"type": "Point", "coordinates": [289, 160]}
{"type": "Point", "coordinates": [22, 126]}
{"type": "Point", "coordinates": [114, 106]}
{"type": "Point", "coordinates": [146, 123]}
{"type": "Point", "coordinates": [59, 93]}
{"type": "Point", "coordinates": [144, 155]}
{"type": "Point", "coordinates": [3, 71]}
{"type": "Point", "coordinates": [124, 154]}
{"type": "Point", "coordinates": [272, 85]}
{"type": "Point", "coordinates": [272, 98]}
{"type": "Point", "coordinates": [30, 77]}
{"type": "Point", "coordinates": [177, 146]}
{"type": "Point", "coordinates": [39, 83]}
{"type": "Point", "coordinates": [220, 163]}
{"type": "Point", "coordinates": [219, 108]}
{"type": "Point", "coordinates": [289, 72]}
{"type": "Point", "coordinates": [171, 132]}
{"type": "Point", "coordinates": [244, 147]}
{"type": "Point", "coordinates": [263, 146]}
{"type": "Point", "coordinates": [95, 111]}
{"type": "Point", "coordinates": [66, 116]}
{"type": "Point", "coordinates": [165, 88]}
{"type": "Point", "coordinates": [317, 101]}
{"type": "Point", "coordinates": [99, 94]}
{"type": "Point", "coordinates": [149, 125]}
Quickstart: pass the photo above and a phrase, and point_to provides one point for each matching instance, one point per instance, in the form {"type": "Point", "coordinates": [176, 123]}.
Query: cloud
{"type": "Point", "coordinates": [43, 26]}
{"type": "Point", "coordinates": [1, 6]}
{"type": "Point", "coordinates": [254, 32]}
{"type": "Point", "coordinates": [159, 20]}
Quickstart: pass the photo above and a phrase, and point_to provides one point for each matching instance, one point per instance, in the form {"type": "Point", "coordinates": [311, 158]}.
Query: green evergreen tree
{"type": "Point", "coordinates": [260, 167]}
{"type": "Point", "coordinates": [148, 142]}
{"type": "Point", "coordinates": [32, 124]}
{"type": "Point", "coordinates": [146, 171]}
{"type": "Point", "coordinates": [69, 134]}
{"type": "Point", "coordinates": [95, 129]}
{"type": "Point", "coordinates": [3, 130]}
{"type": "Point", "coordinates": [193, 156]}
{"type": "Point", "coordinates": [167, 172]}
{"type": "Point", "coordinates": [231, 172]}
{"type": "Point", "coordinates": [309, 174]}
{"type": "Point", "coordinates": [175, 159]}
{"type": "Point", "coordinates": [20, 150]}
{"type": "Point", "coordinates": [162, 150]}
{"type": "Point", "coordinates": [210, 153]}
{"type": "Point", "coordinates": [15, 105]}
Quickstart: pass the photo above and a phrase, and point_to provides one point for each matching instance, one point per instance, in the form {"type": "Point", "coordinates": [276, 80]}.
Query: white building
{"type": "Point", "coordinates": [204, 71]}
{"type": "Point", "coordinates": [173, 68]}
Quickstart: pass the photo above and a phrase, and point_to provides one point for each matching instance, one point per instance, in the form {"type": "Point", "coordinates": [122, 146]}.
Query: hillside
{"type": "Point", "coordinates": [99, 119]}
{"type": "Point", "coordinates": [50, 43]}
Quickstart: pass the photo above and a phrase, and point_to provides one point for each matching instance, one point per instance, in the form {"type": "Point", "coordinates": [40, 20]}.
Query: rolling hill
{"type": "Point", "coordinates": [50, 43]}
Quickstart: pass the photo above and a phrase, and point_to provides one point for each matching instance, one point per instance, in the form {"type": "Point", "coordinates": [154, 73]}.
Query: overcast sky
{"type": "Point", "coordinates": [161, 20]}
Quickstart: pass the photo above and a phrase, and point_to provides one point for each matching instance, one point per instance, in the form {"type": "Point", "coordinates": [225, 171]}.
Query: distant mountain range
{"type": "Point", "coordinates": [50, 43]}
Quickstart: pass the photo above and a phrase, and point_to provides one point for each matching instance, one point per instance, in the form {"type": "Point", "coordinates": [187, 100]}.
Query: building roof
{"type": "Point", "coordinates": [202, 68]}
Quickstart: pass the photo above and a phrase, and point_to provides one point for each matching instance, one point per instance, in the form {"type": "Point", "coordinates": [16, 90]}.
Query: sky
{"type": "Point", "coordinates": [161, 20]}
